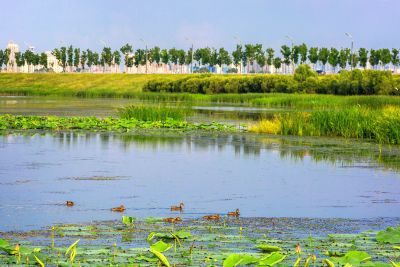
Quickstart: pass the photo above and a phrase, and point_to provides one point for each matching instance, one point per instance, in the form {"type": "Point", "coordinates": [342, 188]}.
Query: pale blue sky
{"type": "Point", "coordinates": [46, 24]}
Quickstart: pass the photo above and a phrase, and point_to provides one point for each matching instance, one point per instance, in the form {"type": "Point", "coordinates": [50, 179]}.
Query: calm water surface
{"type": "Point", "coordinates": [263, 176]}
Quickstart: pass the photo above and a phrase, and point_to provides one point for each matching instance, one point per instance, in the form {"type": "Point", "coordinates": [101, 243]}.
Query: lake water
{"type": "Point", "coordinates": [264, 176]}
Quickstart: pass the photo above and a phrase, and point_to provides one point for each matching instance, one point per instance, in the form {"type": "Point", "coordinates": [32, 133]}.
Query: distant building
{"type": "Point", "coordinates": [12, 64]}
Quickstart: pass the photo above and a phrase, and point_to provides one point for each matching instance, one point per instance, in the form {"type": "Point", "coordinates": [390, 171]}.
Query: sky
{"type": "Point", "coordinates": [46, 24]}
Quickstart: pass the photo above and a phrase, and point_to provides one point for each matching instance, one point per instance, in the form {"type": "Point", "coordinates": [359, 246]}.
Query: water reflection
{"type": "Point", "coordinates": [148, 171]}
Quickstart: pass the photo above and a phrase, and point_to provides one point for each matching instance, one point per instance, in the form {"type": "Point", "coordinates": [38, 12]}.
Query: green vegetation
{"type": "Point", "coordinates": [228, 243]}
{"type": "Point", "coordinates": [83, 85]}
{"type": "Point", "coordinates": [9, 122]}
{"type": "Point", "coordinates": [159, 113]}
{"type": "Point", "coordinates": [304, 80]}
{"type": "Point", "coordinates": [382, 125]}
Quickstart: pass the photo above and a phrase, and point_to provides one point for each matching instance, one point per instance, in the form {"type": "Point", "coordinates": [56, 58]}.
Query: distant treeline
{"type": "Point", "coordinates": [251, 57]}
{"type": "Point", "coordinates": [304, 80]}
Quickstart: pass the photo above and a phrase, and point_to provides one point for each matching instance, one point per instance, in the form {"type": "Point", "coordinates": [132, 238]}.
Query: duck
{"type": "Point", "coordinates": [235, 213]}
{"type": "Point", "coordinates": [119, 209]}
{"type": "Point", "coordinates": [213, 217]}
{"type": "Point", "coordinates": [70, 203]}
{"type": "Point", "coordinates": [178, 208]}
{"type": "Point", "coordinates": [172, 220]}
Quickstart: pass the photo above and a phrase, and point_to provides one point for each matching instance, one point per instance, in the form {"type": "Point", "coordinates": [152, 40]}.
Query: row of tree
{"type": "Point", "coordinates": [253, 57]}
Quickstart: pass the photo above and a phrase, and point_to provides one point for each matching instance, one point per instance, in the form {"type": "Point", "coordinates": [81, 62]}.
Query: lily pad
{"type": "Point", "coordinates": [160, 246]}
{"type": "Point", "coordinates": [234, 260]}
{"type": "Point", "coordinates": [268, 248]}
{"type": "Point", "coordinates": [390, 235]}
{"type": "Point", "coordinates": [271, 259]}
{"type": "Point", "coordinates": [353, 258]}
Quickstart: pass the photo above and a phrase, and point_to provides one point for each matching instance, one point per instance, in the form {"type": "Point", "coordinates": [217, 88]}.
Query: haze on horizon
{"type": "Point", "coordinates": [46, 24]}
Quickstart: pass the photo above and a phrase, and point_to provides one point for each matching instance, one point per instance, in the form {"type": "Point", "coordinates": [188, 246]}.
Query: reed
{"type": "Point", "coordinates": [380, 125]}
{"type": "Point", "coordinates": [158, 113]}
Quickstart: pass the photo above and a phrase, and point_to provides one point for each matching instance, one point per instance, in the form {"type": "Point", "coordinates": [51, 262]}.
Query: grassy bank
{"type": "Point", "coordinates": [131, 86]}
{"type": "Point", "coordinates": [68, 84]}
{"type": "Point", "coordinates": [381, 125]}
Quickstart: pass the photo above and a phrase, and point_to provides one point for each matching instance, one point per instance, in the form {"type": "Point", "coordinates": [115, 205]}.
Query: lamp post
{"type": "Point", "coordinates": [141, 39]}
{"type": "Point", "coordinates": [241, 58]}
{"type": "Point", "coordinates": [351, 51]}
{"type": "Point", "coordinates": [292, 43]}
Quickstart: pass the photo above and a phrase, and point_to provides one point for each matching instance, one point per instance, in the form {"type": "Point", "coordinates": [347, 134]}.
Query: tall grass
{"type": "Point", "coordinates": [381, 125]}
{"type": "Point", "coordinates": [159, 113]}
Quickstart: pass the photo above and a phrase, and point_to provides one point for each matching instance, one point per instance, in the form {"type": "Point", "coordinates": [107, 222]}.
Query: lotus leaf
{"type": "Point", "coordinates": [271, 259]}
{"type": "Point", "coordinates": [239, 259]}
{"type": "Point", "coordinates": [268, 248]}
{"type": "Point", "coordinates": [390, 235]}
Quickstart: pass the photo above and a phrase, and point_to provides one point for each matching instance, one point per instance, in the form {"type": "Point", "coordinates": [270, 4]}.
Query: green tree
{"type": "Point", "coordinates": [140, 57]}
{"type": "Point", "coordinates": [6, 56]}
{"type": "Point", "coordinates": [155, 55]}
{"type": "Point", "coordinates": [214, 57]}
{"type": "Point", "coordinates": [237, 56]}
{"type": "Point", "coordinates": [303, 53]}
{"type": "Point", "coordinates": [395, 58]}
{"type": "Point", "coordinates": [70, 55]}
{"type": "Point", "coordinates": [19, 59]}
{"type": "Point", "coordinates": [295, 54]}
{"type": "Point", "coordinates": [270, 57]}
{"type": "Point", "coordinates": [260, 56]}
{"type": "Point", "coordinates": [1, 59]}
{"type": "Point", "coordinates": [374, 58]}
{"type": "Point", "coordinates": [164, 56]}
{"type": "Point", "coordinates": [96, 57]}
{"type": "Point", "coordinates": [106, 57]}
{"type": "Point", "coordinates": [127, 50]}
{"type": "Point", "coordinates": [386, 57]}
{"type": "Point", "coordinates": [77, 57]}
{"type": "Point", "coordinates": [277, 64]}
{"type": "Point", "coordinates": [363, 56]}
{"type": "Point", "coordinates": [90, 58]}
{"type": "Point", "coordinates": [286, 53]}
{"type": "Point", "coordinates": [313, 56]}
{"type": "Point", "coordinates": [84, 58]}
{"type": "Point", "coordinates": [250, 54]}
{"type": "Point", "coordinates": [323, 56]}
{"type": "Point", "coordinates": [223, 58]}
{"type": "Point", "coordinates": [43, 60]}
{"type": "Point", "coordinates": [61, 56]}
{"type": "Point", "coordinates": [333, 58]}
{"type": "Point", "coordinates": [116, 57]}
{"type": "Point", "coordinates": [344, 55]}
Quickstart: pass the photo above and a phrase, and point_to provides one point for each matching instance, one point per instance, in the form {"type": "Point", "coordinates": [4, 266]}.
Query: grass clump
{"type": "Point", "coordinates": [382, 125]}
{"type": "Point", "coordinates": [158, 113]}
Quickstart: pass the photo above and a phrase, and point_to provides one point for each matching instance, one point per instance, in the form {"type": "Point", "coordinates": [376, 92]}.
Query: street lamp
{"type": "Point", "coordinates": [145, 51]}
{"type": "Point", "coordinates": [351, 52]}
{"type": "Point", "coordinates": [241, 58]}
{"type": "Point", "coordinates": [191, 62]}
{"type": "Point", "coordinates": [292, 42]}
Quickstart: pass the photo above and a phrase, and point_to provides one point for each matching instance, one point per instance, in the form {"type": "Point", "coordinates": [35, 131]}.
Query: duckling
{"type": "Point", "coordinates": [178, 208]}
{"type": "Point", "coordinates": [235, 213]}
{"type": "Point", "coordinates": [119, 209]}
{"type": "Point", "coordinates": [70, 203]}
{"type": "Point", "coordinates": [213, 217]}
{"type": "Point", "coordinates": [172, 220]}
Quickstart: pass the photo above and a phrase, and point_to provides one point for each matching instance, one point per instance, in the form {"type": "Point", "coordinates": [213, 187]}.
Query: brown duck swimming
{"type": "Point", "coordinates": [119, 209]}
{"type": "Point", "coordinates": [178, 208]}
{"type": "Point", "coordinates": [70, 203]}
{"type": "Point", "coordinates": [213, 217]}
{"type": "Point", "coordinates": [235, 213]}
{"type": "Point", "coordinates": [172, 220]}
